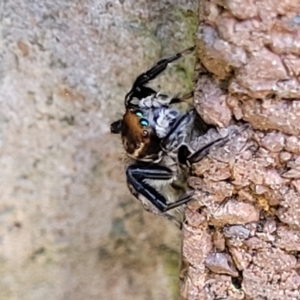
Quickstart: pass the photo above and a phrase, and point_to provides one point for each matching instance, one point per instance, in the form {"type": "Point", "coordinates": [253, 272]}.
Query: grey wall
{"type": "Point", "coordinates": [68, 227]}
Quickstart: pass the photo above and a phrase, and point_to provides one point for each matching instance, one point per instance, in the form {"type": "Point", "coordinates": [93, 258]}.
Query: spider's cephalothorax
{"type": "Point", "coordinates": [156, 132]}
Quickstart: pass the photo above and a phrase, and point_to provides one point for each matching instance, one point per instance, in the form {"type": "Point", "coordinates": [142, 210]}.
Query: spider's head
{"type": "Point", "coordinates": [138, 137]}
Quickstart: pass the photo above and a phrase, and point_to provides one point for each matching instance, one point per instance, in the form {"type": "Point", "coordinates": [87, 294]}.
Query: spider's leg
{"type": "Point", "coordinates": [159, 68]}
{"type": "Point", "coordinates": [201, 153]}
{"type": "Point", "coordinates": [185, 199]}
{"type": "Point", "coordinates": [178, 130]}
{"type": "Point", "coordinates": [204, 151]}
{"type": "Point", "coordinates": [138, 90]}
{"type": "Point", "coordinates": [136, 176]}
{"type": "Point", "coordinates": [139, 93]}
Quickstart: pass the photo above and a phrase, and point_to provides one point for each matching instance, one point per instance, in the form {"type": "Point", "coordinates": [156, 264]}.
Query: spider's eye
{"type": "Point", "coordinates": [139, 113]}
{"type": "Point", "coordinates": [137, 145]}
{"type": "Point", "coordinates": [144, 122]}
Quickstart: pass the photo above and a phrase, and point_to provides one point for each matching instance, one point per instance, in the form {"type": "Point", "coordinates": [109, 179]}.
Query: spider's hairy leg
{"type": "Point", "coordinates": [136, 176]}
{"type": "Point", "coordinates": [178, 131]}
{"type": "Point", "coordinates": [183, 200]}
{"type": "Point", "coordinates": [139, 90]}
{"type": "Point", "coordinates": [201, 153]}
{"type": "Point", "coordinates": [159, 68]}
{"type": "Point", "coordinates": [204, 151]}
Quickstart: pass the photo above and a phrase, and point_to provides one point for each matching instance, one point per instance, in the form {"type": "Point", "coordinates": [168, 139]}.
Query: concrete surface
{"type": "Point", "coordinates": [68, 227]}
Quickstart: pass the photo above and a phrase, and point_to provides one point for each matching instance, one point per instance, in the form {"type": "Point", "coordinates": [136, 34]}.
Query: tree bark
{"type": "Point", "coordinates": [241, 238]}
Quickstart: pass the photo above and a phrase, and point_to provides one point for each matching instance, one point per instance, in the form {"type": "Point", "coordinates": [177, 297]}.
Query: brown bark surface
{"type": "Point", "coordinates": [242, 232]}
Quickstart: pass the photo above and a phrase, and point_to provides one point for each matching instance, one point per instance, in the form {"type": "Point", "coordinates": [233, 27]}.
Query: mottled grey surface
{"type": "Point", "coordinates": [68, 227]}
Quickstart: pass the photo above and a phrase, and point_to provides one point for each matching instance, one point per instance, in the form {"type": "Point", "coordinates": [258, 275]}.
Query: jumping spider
{"type": "Point", "coordinates": [156, 132]}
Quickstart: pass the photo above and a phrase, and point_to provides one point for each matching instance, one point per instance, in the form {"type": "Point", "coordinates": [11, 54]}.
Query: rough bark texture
{"type": "Point", "coordinates": [242, 234]}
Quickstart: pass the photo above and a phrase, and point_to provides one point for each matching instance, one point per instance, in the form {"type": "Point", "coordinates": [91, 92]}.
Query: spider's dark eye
{"type": "Point", "coordinates": [144, 122]}
{"type": "Point", "coordinates": [137, 145]}
{"type": "Point", "coordinates": [139, 113]}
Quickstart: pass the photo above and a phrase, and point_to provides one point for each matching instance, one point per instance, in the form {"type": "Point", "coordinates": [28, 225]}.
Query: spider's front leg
{"type": "Point", "coordinates": [139, 90]}
{"type": "Point", "coordinates": [137, 176]}
{"type": "Point", "coordinates": [203, 152]}
{"type": "Point", "coordinates": [185, 156]}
